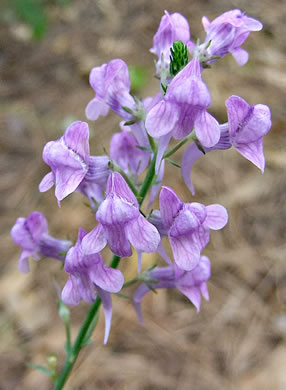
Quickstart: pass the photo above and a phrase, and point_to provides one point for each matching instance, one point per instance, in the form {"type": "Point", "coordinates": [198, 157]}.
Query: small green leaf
{"type": "Point", "coordinates": [63, 253]}
{"type": "Point", "coordinates": [143, 148]}
{"type": "Point", "coordinates": [200, 148]}
{"type": "Point", "coordinates": [138, 77]}
{"type": "Point", "coordinates": [127, 109]}
{"type": "Point", "coordinates": [151, 288]}
{"type": "Point", "coordinates": [43, 369]}
{"type": "Point", "coordinates": [129, 123]}
{"type": "Point", "coordinates": [208, 44]}
{"type": "Point", "coordinates": [173, 163]}
{"type": "Point", "coordinates": [164, 88]}
{"type": "Point", "coordinates": [120, 295]}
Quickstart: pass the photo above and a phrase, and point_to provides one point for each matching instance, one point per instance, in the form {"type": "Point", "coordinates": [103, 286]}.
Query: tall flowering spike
{"type": "Point", "coordinates": [246, 127]}
{"type": "Point", "coordinates": [89, 277]}
{"type": "Point", "coordinates": [173, 27]}
{"type": "Point", "coordinates": [125, 152]}
{"type": "Point", "coordinates": [192, 283]}
{"type": "Point", "coordinates": [227, 33]}
{"type": "Point", "coordinates": [32, 235]}
{"type": "Point", "coordinates": [183, 109]}
{"type": "Point", "coordinates": [68, 158]}
{"type": "Point", "coordinates": [187, 226]}
{"type": "Point", "coordinates": [111, 84]}
{"type": "Point", "coordinates": [121, 223]}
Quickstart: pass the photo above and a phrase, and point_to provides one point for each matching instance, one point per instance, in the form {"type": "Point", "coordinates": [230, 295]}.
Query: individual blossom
{"type": "Point", "coordinates": [111, 84]}
{"type": "Point", "coordinates": [190, 283]}
{"type": "Point", "coordinates": [187, 226]}
{"type": "Point", "coordinates": [226, 34]}
{"type": "Point", "coordinates": [125, 152]}
{"type": "Point", "coordinates": [32, 235]}
{"type": "Point", "coordinates": [246, 127]}
{"type": "Point", "coordinates": [72, 167]}
{"type": "Point", "coordinates": [183, 109]}
{"type": "Point", "coordinates": [89, 277]}
{"type": "Point", "coordinates": [173, 27]}
{"type": "Point", "coordinates": [121, 223]}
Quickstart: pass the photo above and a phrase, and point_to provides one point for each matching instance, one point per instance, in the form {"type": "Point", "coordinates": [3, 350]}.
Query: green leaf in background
{"type": "Point", "coordinates": [138, 77]}
{"type": "Point", "coordinates": [32, 12]}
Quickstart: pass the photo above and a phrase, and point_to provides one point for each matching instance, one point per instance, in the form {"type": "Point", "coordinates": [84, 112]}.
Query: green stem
{"type": "Point", "coordinates": [68, 337]}
{"type": "Point", "coordinates": [169, 153]}
{"type": "Point", "coordinates": [78, 344]}
{"type": "Point", "coordinates": [81, 337]}
{"type": "Point", "coordinates": [130, 282]}
{"type": "Point", "coordinates": [147, 183]}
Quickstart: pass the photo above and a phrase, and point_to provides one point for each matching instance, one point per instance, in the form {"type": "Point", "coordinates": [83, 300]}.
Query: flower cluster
{"type": "Point", "coordinates": [113, 182]}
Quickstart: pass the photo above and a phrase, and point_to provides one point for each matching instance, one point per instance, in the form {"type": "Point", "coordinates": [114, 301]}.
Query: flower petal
{"type": "Point", "coordinates": [116, 185]}
{"type": "Point", "coordinates": [162, 119]}
{"type": "Point", "coordinates": [95, 108]}
{"type": "Point", "coordinates": [186, 251]}
{"type": "Point", "coordinates": [76, 138]}
{"type": "Point", "coordinates": [256, 125]}
{"type": "Point", "coordinates": [94, 241]}
{"type": "Point", "coordinates": [191, 154]}
{"type": "Point", "coordinates": [47, 182]}
{"type": "Point", "coordinates": [107, 307]}
{"type": "Point", "coordinates": [37, 225]}
{"type": "Point", "coordinates": [138, 296]}
{"type": "Point", "coordinates": [70, 294]}
{"type": "Point", "coordinates": [253, 152]}
{"type": "Point", "coordinates": [163, 144]}
{"type": "Point", "coordinates": [170, 205]}
{"type": "Point", "coordinates": [116, 211]}
{"type": "Point", "coordinates": [143, 235]}
{"type": "Point", "coordinates": [241, 56]}
{"type": "Point", "coordinates": [109, 279]}
{"type": "Point", "coordinates": [207, 129]}
{"type": "Point", "coordinates": [193, 294]}
{"type": "Point", "coordinates": [23, 262]}
{"type": "Point", "coordinates": [237, 110]}
{"type": "Point", "coordinates": [217, 217]}
{"type": "Point", "coordinates": [117, 240]}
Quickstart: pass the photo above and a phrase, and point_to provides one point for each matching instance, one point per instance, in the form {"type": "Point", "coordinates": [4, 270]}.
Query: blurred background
{"type": "Point", "coordinates": [47, 49]}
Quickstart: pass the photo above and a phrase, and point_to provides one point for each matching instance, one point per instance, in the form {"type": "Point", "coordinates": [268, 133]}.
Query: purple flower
{"type": "Point", "coordinates": [89, 277]}
{"type": "Point", "coordinates": [182, 109]}
{"type": "Point", "coordinates": [187, 226]}
{"type": "Point", "coordinates": [111, 84]}
{"type": "Point", "coordinates": [125, 152]}
{"type": "Point", "coordinates": [121, 223]}
{"type": "Point", "coordinates": [227, 33]}
{"type": "Point", "coordinates": [190, 283]}
{"type": "Point", "coordinates": [32, 235]}
{"type": "Point", "coordinates": [246, 127]}
{"type": "Point", "coordinates": [68, 158]}
{"type": "Point", "coordinates": [73, 169]}
{"type": "Point", "coordinates": [173, 27]}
